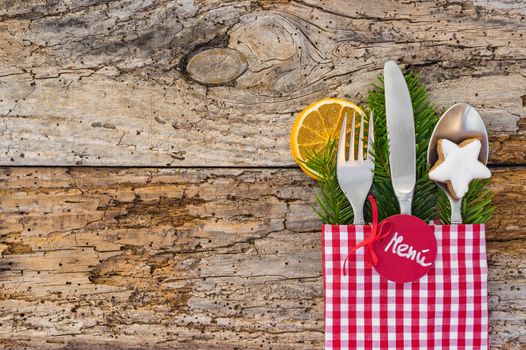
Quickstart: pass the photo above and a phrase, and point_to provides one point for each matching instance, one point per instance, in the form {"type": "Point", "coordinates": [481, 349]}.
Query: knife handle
{"type": "Point", "coordinates": [405, 201]}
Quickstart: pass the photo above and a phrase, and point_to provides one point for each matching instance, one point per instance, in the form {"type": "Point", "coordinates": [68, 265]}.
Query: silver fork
{"type": "Point", "coordinates": [355, 175]}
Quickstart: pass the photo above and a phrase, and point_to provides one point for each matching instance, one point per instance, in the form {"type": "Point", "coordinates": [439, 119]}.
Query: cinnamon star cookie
{"type": "Point", "coordinates": [458, 165]}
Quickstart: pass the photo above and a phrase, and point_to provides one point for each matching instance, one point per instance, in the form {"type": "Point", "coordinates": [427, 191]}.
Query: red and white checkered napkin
{"type": "Point", "coordinates": [445, 309]}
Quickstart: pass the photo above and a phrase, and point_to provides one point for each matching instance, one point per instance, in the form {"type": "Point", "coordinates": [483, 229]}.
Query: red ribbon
{"type": "Point", "coordinates": [377, 233]}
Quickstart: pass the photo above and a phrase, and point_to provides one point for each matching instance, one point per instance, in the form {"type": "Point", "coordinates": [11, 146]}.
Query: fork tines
{"type": "Point", "coordinates": [370, 139]}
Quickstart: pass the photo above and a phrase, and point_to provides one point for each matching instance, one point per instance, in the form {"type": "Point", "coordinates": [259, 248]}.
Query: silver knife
{"type": "Point", "coordinates": [401, 135]}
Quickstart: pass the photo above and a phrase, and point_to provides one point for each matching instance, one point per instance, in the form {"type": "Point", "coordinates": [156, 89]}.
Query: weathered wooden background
{"type": "Point", "coordinates": [147, 194]}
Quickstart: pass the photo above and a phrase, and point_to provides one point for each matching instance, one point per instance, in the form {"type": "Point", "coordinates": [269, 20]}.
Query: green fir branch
{"type": "Point", "coordinates": [477, 205]}
{"type": "Point", "coordinates": [333, 206]}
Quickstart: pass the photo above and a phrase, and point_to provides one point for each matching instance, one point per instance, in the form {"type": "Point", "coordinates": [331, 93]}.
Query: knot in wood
{"type": "Point", "coordinates": [216, 66]}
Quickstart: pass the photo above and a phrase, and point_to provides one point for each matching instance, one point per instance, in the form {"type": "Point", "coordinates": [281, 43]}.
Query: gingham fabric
{"type": "Point", "coordinates": [445, 309]}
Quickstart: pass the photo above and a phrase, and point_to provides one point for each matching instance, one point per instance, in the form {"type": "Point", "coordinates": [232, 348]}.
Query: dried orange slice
{"type": "Point", "coordinates": [316, 124]}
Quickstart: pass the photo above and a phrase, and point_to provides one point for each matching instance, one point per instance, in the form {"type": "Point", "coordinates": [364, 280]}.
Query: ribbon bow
{"type": "Point", "coordinates": [377, 233]}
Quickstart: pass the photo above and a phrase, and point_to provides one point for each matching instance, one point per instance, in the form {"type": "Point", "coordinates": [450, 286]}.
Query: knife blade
{"type": "Point", "coordinates": [401, 135]}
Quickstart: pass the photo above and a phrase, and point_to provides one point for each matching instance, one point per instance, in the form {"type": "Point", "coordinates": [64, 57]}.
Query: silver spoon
{"type": "Point", "coordinates": [459, 123]}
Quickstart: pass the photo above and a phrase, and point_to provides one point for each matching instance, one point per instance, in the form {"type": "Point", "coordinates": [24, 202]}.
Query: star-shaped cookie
{"type": "Point", "coordinates": [458, 165]}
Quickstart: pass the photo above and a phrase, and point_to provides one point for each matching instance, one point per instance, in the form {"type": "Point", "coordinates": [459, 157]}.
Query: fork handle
{"type": "Point", "coordinates": [358, 216]}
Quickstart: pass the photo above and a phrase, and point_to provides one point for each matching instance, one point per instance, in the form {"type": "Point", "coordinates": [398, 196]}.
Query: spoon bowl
{"type": "Point", "coordinates": [459, 123]}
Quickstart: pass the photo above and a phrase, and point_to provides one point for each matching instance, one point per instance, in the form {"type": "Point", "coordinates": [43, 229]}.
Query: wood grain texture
{"type": "Point", "coordinates": [193, 258]}
{"type": "Point", "coordinates": [198, 257]}
{"type": "Point", "coordinates": [108, 82]}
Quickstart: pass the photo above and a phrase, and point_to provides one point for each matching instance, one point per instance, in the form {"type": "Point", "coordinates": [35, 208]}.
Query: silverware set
{"type": "Point", "coordinates": [355, 175]}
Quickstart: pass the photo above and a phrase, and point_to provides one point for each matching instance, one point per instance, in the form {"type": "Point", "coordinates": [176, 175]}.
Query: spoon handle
{"type": "Point", "coordinates": [456, 215]}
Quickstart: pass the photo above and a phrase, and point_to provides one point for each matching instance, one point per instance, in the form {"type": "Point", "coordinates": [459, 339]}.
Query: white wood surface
{"type": "Point", "coordinates": [87, 83]}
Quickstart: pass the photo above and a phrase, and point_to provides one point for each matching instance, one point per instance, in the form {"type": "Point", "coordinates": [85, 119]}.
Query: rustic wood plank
{"type": "Point", "coordinates": [108, 82]}
{"type": "Point", "coordinates": [113, 258]}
